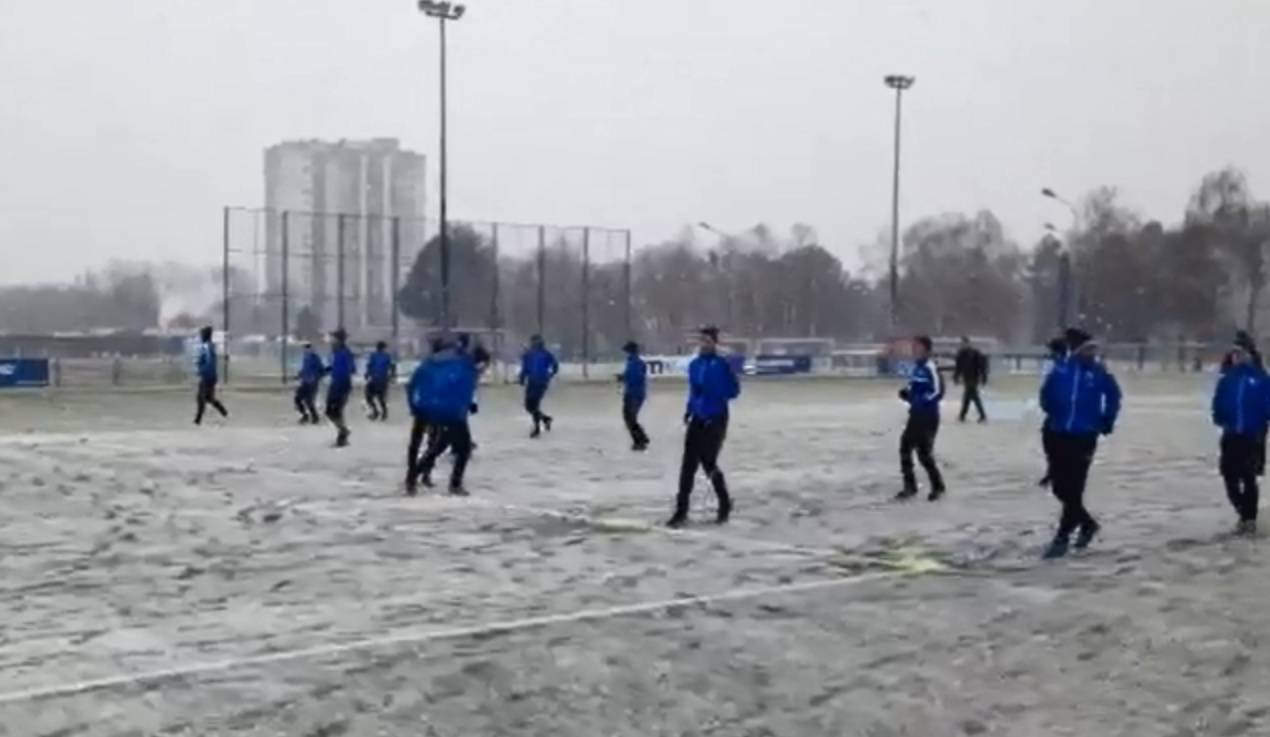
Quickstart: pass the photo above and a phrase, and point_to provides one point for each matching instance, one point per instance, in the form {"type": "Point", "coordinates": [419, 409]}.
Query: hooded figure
{"type": "Point", "coordinates": [712, 385]}
{"type": "Point", "coordinates": [1081, 401]}
{"type": "Point", "coordinates": [1241, 408]}
{"type": "Point", "coordinates": [634, 379]}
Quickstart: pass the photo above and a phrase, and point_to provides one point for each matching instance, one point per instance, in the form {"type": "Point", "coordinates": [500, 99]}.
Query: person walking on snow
{"type": "Point", "coordinates": [309, 378]}
{"type": "Point", "coordinates": [924, 392]}
{"type": "Point", "coordinates": [343, 369]}
{"type": "Point", "coordinates": [537, 368]}
{"type": "Point", "coordinates": [207, 377]}
{"type": "Point", "coordinates": [441, 390]}
{"type": "Point", "coordinates": [712, 384]}
{"type": "Point", "coordinates": [1241, 408]}
{"type": "Point", "coordinates": [380, 370]}
{"type": "Point", "coordinates": [1081, 400]}
{"type": "Point", "coordinates": [634, 380]}
{"type": "Point", "coordinates": [971, 371]}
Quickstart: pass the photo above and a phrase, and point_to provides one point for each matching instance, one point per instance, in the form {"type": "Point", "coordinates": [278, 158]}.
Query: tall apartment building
{"type": "Point", "coordinates": [342, 198]}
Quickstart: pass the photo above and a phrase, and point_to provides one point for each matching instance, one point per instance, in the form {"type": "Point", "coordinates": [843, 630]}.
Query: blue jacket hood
{"type": "Point", "coordinates": [1241, 400]}
{"type": "Point", "coordinates": [442, 387]}
{"type": "Point", "coordinates": [1080, 397]}
{"type": "Point", "coordinates": [711, 385]}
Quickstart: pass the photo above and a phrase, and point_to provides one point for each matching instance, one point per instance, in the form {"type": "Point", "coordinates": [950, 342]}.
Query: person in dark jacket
{"type": "Point", "coordinates": [380, 370]}
{"type": "Point", "coordinates": [1057, 354]}
{"type": "Point", "coordinates": [1081, 400]}
{"type": "Point", "coordinates": [537, 368]}
{"type": "Point", "coordinates": [207, 377]}
{"type": "Point", "coordinates": [634, 379]}
{"type": "Point", "coordinates": [1245, 342]}
{"type": "Point", "coordinates": [309, 379]}
{"type": "Point", "coordinates": [343, 369]}
{"type": "Point", "coordinates": [712, 384]}
{"type": "Point", "coordinates": [1241, 408]}
{"type": "Point", "coordinates": [421, 429]}
{"type": "Point", "coordinates": [442, 389]}
{"type": "Point", "coordinates": [971, 371]}
{"type": "Point", "coordinates": [924, 392]}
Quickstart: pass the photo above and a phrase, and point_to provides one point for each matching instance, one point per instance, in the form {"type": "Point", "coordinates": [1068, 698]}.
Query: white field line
{"type": "Point", "coordinates": [417, 637]}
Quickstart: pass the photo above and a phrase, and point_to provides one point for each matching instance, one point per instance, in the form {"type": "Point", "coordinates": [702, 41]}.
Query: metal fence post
{"type": "Point", "coordinates": [542, 279]}
{"type": "Point", "coordinates": [395, 269]}
{"type": "Point", "coordinates": [496, 286]}
{"type": "Point", "coordinates": [286, 256]}
{"type": "Point", "coordinates": [339, 270]}
{"type": "Point", "coordinates": [586, 302]}
{"type": "Point", "coordinates": [224, 289]}
{"type": "Point", "coordinates": [626, 285]}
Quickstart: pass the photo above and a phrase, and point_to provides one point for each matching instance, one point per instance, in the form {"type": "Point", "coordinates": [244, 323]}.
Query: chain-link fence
{"type": "Point", "coordinates": [303, 274]}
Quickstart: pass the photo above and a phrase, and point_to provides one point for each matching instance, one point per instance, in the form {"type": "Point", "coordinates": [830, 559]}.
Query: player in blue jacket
{"type": "Point", "coordinates": [343, 368]}
{"type": "Point", "coordinates": [712, 384]}
{"type": "Point", "coordinates": [924, 392]}
{"type": "Point", "coordinates": [1241, 408]}
{"type": "Point", "coordinates": [634, 378]}
{"type": "Point", "coordinates": [380, 370]}
{"type": "Point", "coordinates": [441, 390]}
{"type": "Point", "coordinates": [1081, 400]}
{"type": "Point", "coordinates": [207, 377]}
{"type": "Point", "coordinates": [309, 379]}
{"type": "Point", "coordinates": [537, 368]}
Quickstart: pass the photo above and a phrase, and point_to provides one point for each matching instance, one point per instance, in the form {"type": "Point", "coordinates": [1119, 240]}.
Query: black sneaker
{"type": "Point", "coordinates": [547, 421]}
{"type": "Point", "coordinates": [1057, 549]}
{"type": "Point", "coordinates": [905, 495]}
{"type": "Point", "coordinates": [536, 432]}
{"type": "Point", "coordinates": [1086, 535]}
{"type": "Point", "coordinates": [426, 480]}
{"type": "Point", "coordinates": [458, 491]}
{"type": "Point", "coordinates": [676, 522]}
{"type": "Point", "coordinates": [936, 494]}
{"type": "Point", "coordinates": [412, 487]}
{"type": "Point", "coordinates": [724, 513]}
{"type": "Point", "coordinates": [341, 440]}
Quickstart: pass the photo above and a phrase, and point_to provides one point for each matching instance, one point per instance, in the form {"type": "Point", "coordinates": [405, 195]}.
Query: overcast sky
{"type": "Point", "coordinates": [125, 125]}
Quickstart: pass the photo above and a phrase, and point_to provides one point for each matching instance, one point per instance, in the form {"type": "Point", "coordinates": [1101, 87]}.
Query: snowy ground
{"type": "Point", "coordinates": [247, 580]}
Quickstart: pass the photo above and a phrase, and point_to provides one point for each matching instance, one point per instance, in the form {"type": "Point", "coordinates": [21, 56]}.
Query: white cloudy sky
{"type": "Point", "coordinates": [126, 124]}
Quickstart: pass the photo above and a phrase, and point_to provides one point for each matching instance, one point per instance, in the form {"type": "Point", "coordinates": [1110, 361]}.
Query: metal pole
{"type": "Point", "coordinates": [445, 227]}
{"type": "Point", "coordinates": [895, 217]}
{"type": "Point", "coordinates": [396, 282]}
{"type": "Point", "coordinates": [1064, 288]}
{"type": "Point", "coordinates": [542, 279]}
{"type": "Point", "coordinates": [586, 302]}
{"type": "Point", "coordinates": [497, 285]}
{"type": "Point", "coordinates": [626, 285]}
{"type": "Point", "coordinates": [224, 289]}
{"type": "Point", "coordinates": [286, 255]}
{"type": "Point", "coordinates": [340, 230]}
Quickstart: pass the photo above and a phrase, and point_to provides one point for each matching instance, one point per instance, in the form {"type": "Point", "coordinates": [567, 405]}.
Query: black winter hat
{"type": "Point", "coordinates": [1076, 338]}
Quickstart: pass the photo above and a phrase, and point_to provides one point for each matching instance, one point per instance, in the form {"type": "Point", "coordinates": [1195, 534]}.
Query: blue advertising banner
{"type": "Point", "coordinates": [781, 365]}
{"type": "Point", "coordinates": [24, 372]}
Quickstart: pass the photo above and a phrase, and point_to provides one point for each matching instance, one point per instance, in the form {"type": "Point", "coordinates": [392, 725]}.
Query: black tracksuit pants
{"type": "Point", "coordinates": [377, 399]}
{"type": "Point", "coordinates": [1240, 456]}
{"type": "Point", "coordinates": [702, 444]}
{"type": "Point", "coordinates": [207, 395]}
{"type": "Point", "coordinates": [305, 395]}
{"type": "Point", "coordinates": [1070, 459]}
{"type": "Point", "coordinates": [919, 436]}
{"type": "Point", "coordinates": [420, 431]}
{"type": "Point", "coordinates": [534, 394]}
{"type": "Point", "coordinates": [630, 415]}
{"type": "Point", "coordinates": [970, 395]}
{"type": "Point", "coordinates": [456, 436]}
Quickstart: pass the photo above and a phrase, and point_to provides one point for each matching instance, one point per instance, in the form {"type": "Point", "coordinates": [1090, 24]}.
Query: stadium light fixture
{"type": "Point", "coordinates": [899, 83]}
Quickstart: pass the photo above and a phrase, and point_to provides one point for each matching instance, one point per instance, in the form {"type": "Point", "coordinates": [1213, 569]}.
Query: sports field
{"type": "Point", "coordinates": [246, 579]}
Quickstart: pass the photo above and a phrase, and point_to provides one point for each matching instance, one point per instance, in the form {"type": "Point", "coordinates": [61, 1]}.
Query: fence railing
{"type": "Point", "coordinates": [303, 274]}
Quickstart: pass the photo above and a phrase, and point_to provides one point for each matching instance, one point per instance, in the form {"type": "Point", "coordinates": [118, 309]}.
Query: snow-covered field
{"type": "Point", "coordinates": [246, 579]}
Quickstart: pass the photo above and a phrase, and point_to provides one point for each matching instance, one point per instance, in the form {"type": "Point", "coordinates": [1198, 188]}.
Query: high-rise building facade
{"type": "Point", "coordinates": [342, 199]}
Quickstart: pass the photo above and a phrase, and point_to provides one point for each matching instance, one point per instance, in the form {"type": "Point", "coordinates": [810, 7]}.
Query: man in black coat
{"type": "Point", "coordinates": [971, 371]}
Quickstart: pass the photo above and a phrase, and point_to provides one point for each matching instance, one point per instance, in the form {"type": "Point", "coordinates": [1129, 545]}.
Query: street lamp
{"type": "Point", "coordinates": [899, 83]}
{"type": "Point", "coordinates": [1064, 260]}
{"type": "Point", "coordinates": [731, 299]}
{"type": "Point", "coordinates": [443, 11]}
